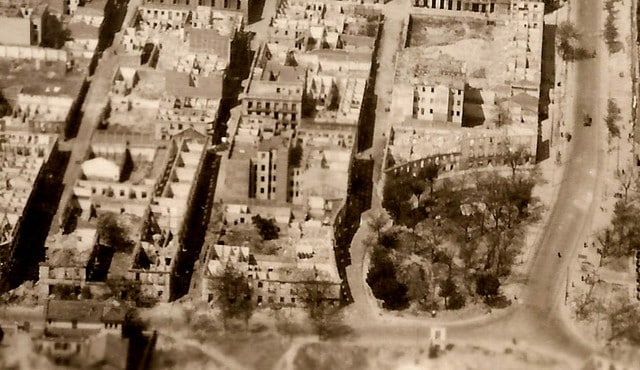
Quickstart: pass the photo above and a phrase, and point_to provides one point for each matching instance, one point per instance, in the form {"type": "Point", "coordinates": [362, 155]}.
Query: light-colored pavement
{"type": "Point", "coordinates": [395, 14]}
{"type": "Point", "coordinates": [540, 319]}
{"type": "Point", "coordinates": [92, 109]}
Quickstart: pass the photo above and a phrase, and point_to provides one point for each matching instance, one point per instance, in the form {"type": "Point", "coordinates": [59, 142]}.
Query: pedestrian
{"type": "Point", "coordinates": [559, 255]}
{"type": "Point", "coordinates": [585, 244]}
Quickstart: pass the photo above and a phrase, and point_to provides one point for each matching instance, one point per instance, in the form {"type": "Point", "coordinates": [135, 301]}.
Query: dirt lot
{"type": "Point", "coordinates": [436, 31]}
{"type": "Point", "coordinates": [334, 356]}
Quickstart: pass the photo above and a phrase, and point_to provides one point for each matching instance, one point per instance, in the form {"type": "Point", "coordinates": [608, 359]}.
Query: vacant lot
{"type": "Point", "coordinates": [436, 31]}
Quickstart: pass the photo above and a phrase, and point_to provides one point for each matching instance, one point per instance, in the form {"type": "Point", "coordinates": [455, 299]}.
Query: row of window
{"type": "Point", "coordinates": [212, 3]}
{"type": "Point", "coordinates": [122, 192]}
{"type": "Point", "coordinates": [456, 113]}
{"type": "Point", "coordinates": [276, 105]}
{"type": "Point", "coordinates": [433, 90]}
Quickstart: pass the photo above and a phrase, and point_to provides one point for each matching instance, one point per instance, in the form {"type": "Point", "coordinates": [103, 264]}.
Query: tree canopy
{"type": "Point", "coordinates": [233, 295]}
{"type": "Point", "coordinates": [384, 283]}
{"type": "Point", "coordinates": [267, 228]}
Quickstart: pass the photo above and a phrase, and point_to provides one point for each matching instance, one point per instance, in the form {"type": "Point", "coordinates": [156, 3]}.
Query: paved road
{"type": "Point", "coordinates": [570, 219]}
{"type": "Point", "coordinates": [539, 319]}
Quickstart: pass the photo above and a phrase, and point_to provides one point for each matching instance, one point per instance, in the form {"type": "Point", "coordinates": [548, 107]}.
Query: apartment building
{"type": "Point", "coordinates": [190, 101]}
{"type": "Point", "coordinates": [525, 64]}
{"type": "Point", "coordinates": [476, 6]}
{"type": "Point", "coordinates": [41, 94]}
{"type": "Point", "coordinates": [146, 188]}
{"type": "Point", "coordinates": [415, 143]}
{"type": "Point", "coordinates": [23, 156]}
{"type": "Point", "coordinates": [280, 280]}
{"type": "Point", "coordinates": [178, 13]}
{"type": "Point", "coordinates": [22, 23]}
{"type": "Point", "coordinates": [275, 90]}
{"type": "Point", "coordinates": [430, 89]}
{"type": "Point", "coordinates": [271, 168]}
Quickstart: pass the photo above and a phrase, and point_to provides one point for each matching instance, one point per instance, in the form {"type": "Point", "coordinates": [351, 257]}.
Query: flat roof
{"type": "Point", "coordinates": [40, 78]}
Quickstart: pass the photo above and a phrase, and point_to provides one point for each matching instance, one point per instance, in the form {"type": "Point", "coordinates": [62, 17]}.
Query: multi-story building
{"type": "Point", "coordinates": [476, 6]}
{"type": "Point", "coordinates": [23, 157]}
{"type": "Point", "coordinates": [22, 23]}
{"type": "Point", "coordinates": [280, 280]}
{"type": "Point", "coordinates": [276, 90]}
{"type": "Point", "coordinates": [525, 49]}
{"type": "Point", "coordinates": [414, 143]}
{"type": "Point", "coordinates": [189, 101]}
{"type": "Point", "coordinates": [41, 94]}
{"type": "Point", "coordinates": [148, 189]}
{"type": "Point", "coordinates": [271, 169]}
{"type": "Point", "coordinates": [431, 89]}
{"type": "Point", "coordinates": [84, 334]}
{"type": "Point", "coordinates": [67, 261]}
{"type": "Point", "coordinates": [179, 13]}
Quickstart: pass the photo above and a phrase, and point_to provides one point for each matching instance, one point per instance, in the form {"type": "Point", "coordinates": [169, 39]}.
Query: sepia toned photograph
{"type": "Point", "coordinates": [319, 185]}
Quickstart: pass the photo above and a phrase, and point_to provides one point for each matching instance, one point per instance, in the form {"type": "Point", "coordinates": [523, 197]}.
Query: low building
{"type": "Point", "coordinates": [84, 334]}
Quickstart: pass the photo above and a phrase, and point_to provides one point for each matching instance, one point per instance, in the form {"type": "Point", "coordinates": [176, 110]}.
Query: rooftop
{"type": "Point", "coordinates": [187, 85]}
{"type": "Point", "coordinates": [40, 78]}
{"type": "Point", "coordinates": [442, 70]}
{"type": "Point", "coordinates": [73, 249]}
{"type": "Point", "coordinates": [85, 311]}
{"type": "Point", "coordinates": [208, 41]}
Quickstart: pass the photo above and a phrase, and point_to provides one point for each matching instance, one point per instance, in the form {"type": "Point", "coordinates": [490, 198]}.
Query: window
{"type": "Point", "coordinates": [122, 193]}
{"type": "Point", "coordinates": [249, 103]}
{"type": "Point", "coordinates": [259, 299]}
{"type": "Point", "coordinates": [293, 300]}
{"type": "Point", "coordinates": [274, 178]}
{"type": "Point", "coordinates": [274, 167]}
{"type": "Point", "coordinates": [261, 190]}
{"type": "Point", "coordinates": [293, 106]}
{"type": "Point", "coordinates": [433, 90]}
{"type": "Point", "coordinates": [144, 194]}
{"type": "Point", "coordinates": [262, 168]}
{"type": "Point", "coordinates": [281, 299]}
{"type": "Point", "coordinates": [430, 111]}
{"type": "Point", "coordinates": [267, 105]}
{"type": "Point", "coordinates": [277, 90]}
{"type": "Point", "coordinates": [459, 92]}
{"type": "Point", "coordinates": [458, 113]}
{"type": "Point", "coordinates": [273, 190]}
{"type": "Point", "coordinates": [261, 178]}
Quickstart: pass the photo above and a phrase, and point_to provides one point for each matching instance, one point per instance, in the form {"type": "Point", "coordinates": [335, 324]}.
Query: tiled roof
{"type": "Point", "coordinates": [84, 311]}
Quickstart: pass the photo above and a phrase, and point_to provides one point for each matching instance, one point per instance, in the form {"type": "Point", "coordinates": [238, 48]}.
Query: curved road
{"type": "Point", "coordinates": [539, 320]}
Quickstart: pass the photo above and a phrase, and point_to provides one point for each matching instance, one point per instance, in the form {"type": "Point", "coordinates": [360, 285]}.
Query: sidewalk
{"type": "Point", "coordinates": [617, 85]}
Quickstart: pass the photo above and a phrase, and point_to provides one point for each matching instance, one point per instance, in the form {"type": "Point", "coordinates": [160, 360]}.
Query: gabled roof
{"type": "Point", "coordinates": [85, 311]}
